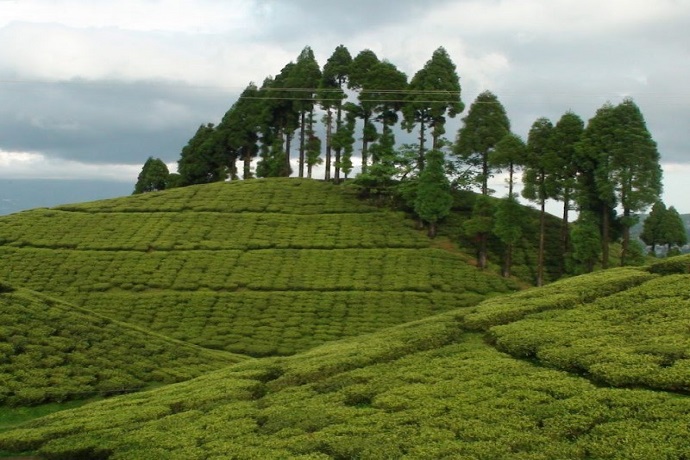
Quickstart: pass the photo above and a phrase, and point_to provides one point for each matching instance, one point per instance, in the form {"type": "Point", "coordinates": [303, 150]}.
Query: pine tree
{"type": "Point", "coordinates": [508, 228]}
{"type": "Point", "coordinates": [586, 241]}
{"type": "Point", "coordinates": [153, 177]}
{"type": "Point", "coordinates": [485, 125]}
{"type": "Point", "coordinates": [434, 200]}
{"type": "Point", "coordinates": [596, 186]}
{"type": "Point", "coordinates": [479, 226]}
{"type": "Point", "coordinates": [362, 79]}
{"type": "Point", "coordinates": [304, 80]}
{"type": "Point", "coordinates": [202, 160]}
{"type": "Point", "coordinates": [433, 94]}
{"type": "Point", "coordinates": [510, 153]}
{"type": "Point", "coordinates": [566, 134]}
{"type": "Point", "coordinates": [539, 165]}
{"type": "Point", "coordinates": [652, 227]}
{"type": "Point", "coordinates": [635, 169]}
{"type": "Point", "coordinates": [238, 131]}
{"type": "Point", "coordinates": [673, 228]}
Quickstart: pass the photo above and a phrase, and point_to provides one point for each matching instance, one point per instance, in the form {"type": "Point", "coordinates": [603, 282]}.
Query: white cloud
{"type": "Point", "coordinates": [29, 165]}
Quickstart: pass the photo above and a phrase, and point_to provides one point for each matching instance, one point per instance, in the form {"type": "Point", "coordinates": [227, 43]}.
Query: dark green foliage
{"type": "Point", "coordinates": [484, 126]}
{"type": "Point", "coordinates": [635, 168]}
{"type": "Point", "coordinates": [433, 94]}
{"type": "Point", "coordinates": [331, 95]}
{"type": "Point", "coordinates": [203, 160]}
{"type": "Point", "coordinates": [238, 132]}
{"type": "Point", "coordinates": [153, 176]}
{"type": "Point", "coordinates": [653, 229]}
{"type": "Point", "coordinates": [433, 199]}
{"type": "Point", "coordinates": [509, 153]}
{"type": "Point", "coordinates": [363, 78]}
{"type": "Point", "coordinates": [674, 228]}
{"type": "Point", "coordinates": [508, 223]}
{"type": "Point", "coordinates": [479, 226]}
{"type": "Point", "coordinates": [586, 243]}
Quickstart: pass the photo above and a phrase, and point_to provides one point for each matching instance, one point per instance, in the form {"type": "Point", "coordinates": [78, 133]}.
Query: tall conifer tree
{"type": "Point", "coordinates": [538, 166]}
{"type": "Point", "coordinates": [433, 94]}
{"type": "Point", "coordinates": [331, 95]}
{"type": "Point", "coordinates": [485, 125]}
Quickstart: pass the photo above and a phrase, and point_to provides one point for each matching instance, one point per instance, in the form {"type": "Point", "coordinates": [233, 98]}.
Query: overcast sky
{"type": "Point", "coordinates": [90, 89]}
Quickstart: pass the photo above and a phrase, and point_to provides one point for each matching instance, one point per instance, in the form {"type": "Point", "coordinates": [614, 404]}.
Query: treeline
{"type": "Point", "coordinates": [610, 163]}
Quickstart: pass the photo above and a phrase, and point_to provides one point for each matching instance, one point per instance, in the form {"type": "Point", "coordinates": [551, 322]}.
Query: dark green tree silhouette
{"type": "Point", "coordinates": [434, 200]}
{"type": "Point", "coordinates": [433, 95]}
{"type": "Point", "coordinates": [485, 125]}
{"type": "Point", "coordinates": [153, 177]}
{"type": "Point", "coordinates": [331, 96]}
{"type": "Point", "coordinates": [539, 165]}
{"type": "Point", "coordinates": [635, 169]}
{"type": "Point", "coordinates": [566, 134]}
{"type": "Point", "coordinates": [202, 160]}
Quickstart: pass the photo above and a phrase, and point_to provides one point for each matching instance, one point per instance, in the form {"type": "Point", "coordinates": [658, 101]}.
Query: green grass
{"type": "Point", "coordinates": [267, 267]}
{"type": "Point", "coordinates": [51, 351]}
{"type": "Point", "coordinates": [434, 388]}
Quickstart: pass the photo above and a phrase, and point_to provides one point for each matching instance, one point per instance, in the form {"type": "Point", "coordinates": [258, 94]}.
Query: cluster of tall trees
{"type": "Point", "coordinates": [610, 163]}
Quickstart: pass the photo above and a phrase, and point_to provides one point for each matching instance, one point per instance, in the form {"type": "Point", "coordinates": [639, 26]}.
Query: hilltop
{"type": "Point", "coordinates": [261, 267]}
{"type": "Point", "coordinates": [588, 367]}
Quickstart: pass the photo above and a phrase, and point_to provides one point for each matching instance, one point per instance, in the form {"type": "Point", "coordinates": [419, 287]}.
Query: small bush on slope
{"type": "Point", "coordinates": [428, 389]}
{"type": "Point", "coordinates": [51, 351]}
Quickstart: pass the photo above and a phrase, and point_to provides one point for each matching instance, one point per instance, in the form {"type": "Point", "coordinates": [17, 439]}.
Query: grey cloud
{"type": "Point", "coordinates": [299, 19]}
{"type": "Point", "coordinates": [106, 121]}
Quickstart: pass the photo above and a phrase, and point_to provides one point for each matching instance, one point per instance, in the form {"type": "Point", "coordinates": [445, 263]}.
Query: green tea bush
{"type": "Point", "coordinates": [51, 351]}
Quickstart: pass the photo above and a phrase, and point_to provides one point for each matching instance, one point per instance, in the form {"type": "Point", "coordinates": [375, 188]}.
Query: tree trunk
{"type": "Point", "coordinates": [626, 237]}
{"type": "Point", "coordinates": [339, 126]}
{"type": "Point", "coordinates": [485, 173]}
{"type": "Point", "coordinates": [233, 168]}
{"type": "Point", "coordinates": [432, 230]}
{"type": "Point", "coordinates": [540, 257]}
{"type": "Point", "coordinates": [329, 134]}
{"type": "Point", "coordinates": [605, 236]}
{"type": "Point", "coordinates": [482, 257]}
{"type": "Point", "coordinates": [365, 145]}
{"type": "Point", "coordinates": [511, 172]}
{"type": "Point", "coordinates": [288, 143]}
{"type": "Point", "coordinates": [508, 262]}
{"type": "Point", "coordinates": [301, 143]}
{"type": "Point", "coordinates": [247, 174]}
{"type": "Point", "coordinates": [422, 138]}
{"type": "Point", "coordinates": [565, 233]}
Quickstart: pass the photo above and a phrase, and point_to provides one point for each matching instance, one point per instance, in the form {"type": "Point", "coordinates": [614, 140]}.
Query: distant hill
{"type": "Point", "coordinates": [260, 267]}
{"type": "Point", "coordinates": [53, 351]}
{"type": "Point", "coordinates": [593, 366]}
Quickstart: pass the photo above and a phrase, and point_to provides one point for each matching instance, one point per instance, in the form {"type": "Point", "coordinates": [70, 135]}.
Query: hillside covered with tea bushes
{"type": "Point", "coordinates": [479, 382]}
{"type": "Point", "coordinates": [261, 267]}
{"type": "Point", "coordinates": [53, 351]}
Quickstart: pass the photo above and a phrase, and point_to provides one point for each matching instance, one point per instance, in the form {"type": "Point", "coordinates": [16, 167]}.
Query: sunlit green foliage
{"type": "Point", "coordinates": [427, 389]}
{"type": "Point", "coordinates": [637, 337]}
{"type": "Point", "coordinates": [52, 351]}
{"type": "Point", "coordinates": [269, 267]}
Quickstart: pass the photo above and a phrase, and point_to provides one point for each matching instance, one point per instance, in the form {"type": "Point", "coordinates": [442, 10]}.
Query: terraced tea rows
{"type": "Point", "coordinates": [429, 389]}
{"type": "Point", "coordinates": [239, 266]}
{"type": "Point", "coordinates": [52, 351]}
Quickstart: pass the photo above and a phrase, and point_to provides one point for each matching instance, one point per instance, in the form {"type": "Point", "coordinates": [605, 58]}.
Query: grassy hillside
{"type": "Point", "coordinates": [52, 351]}
{"type": "Point", "coordinates": [435, 388]}
{"type": "Point", "coordinates": [262, 267]}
